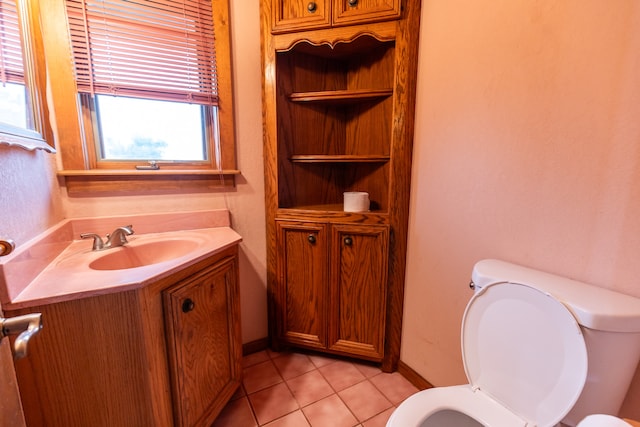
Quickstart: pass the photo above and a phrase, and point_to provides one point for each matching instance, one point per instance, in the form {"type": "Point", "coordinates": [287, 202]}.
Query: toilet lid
{"type": "Point", "coordinates": [525, 349]}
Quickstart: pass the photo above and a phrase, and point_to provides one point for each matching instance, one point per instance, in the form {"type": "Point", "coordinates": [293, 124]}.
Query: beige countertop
{"type": "Point", "coordinates": [59, 266]}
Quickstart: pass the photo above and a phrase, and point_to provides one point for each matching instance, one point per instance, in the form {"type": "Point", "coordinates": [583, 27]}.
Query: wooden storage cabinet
{"type": "Point", "coordinates": [338, 107]}
{"type": "Point", "coordinates": [134, 358]}
{"type": "Point", "coordinates": [298, 15]}
{"type": "Point", "coordinates": [333, 287]}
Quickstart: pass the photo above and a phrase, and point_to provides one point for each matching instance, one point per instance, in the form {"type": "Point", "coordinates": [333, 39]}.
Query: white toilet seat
{"type": "Point", "coordinates": [462, 399]}
{"type": "Point", "coordinates": [525, 358]}
{"type": "Point", "coordinates": [526, 350]}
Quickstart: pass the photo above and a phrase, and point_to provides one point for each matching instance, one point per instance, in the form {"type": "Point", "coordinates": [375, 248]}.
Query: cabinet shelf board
{"type": "Point", "coordinates": [346, 96]}
{"type": "Point", "coordinates": [331, 213]}
{"type": "Point", "coordinates": [338, 158]}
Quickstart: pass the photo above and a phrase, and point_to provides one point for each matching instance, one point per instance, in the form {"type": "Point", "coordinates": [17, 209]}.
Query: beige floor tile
{"type": "Point", "coordinates": [272, 403]}
{"type": "Point", "coordinates": [309, 387]}
{"type": "Point", "coordinates": [364, 400]}
{"type": "Point", "coordinates": [260, 376]}
{"type": "Point", "coordinates": [394, 386]}
{"type": "Point", "coordinates": [368, 370]}
{"type": "Point", "coordinates": [293, 365]}
{"type": "Point", "coordinates": [320, 360]}
{"type": "Point", "coordinates": [329, 412]}
{"type": "Point", "coordinates": [341, 374]}
{"type": "Point", "coordinates": [379, 420]}
{"type": "Point", "coordinates": [294, 419]}
{"type": "Point", "coordinates": [237, 413]}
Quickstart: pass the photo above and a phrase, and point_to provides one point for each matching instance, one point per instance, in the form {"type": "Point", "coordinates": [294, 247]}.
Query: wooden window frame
{"type": "Point", "coordinates": [35, 79]}
{"type": "Point", "coordinates": [80, 171]}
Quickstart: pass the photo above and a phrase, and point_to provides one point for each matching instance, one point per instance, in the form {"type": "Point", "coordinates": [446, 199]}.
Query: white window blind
{"type": "Point", "coordinates": [160, 49]}
{"type": "Point", "coordinates": [11, 66]}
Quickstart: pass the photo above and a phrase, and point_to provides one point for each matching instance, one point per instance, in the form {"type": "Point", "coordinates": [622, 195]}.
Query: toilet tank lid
{"type": "Point", "coordinates": [594, 307]}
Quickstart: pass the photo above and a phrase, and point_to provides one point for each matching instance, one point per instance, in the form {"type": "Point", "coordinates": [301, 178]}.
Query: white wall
{"type": "Point", "coordinates": [527, 149]}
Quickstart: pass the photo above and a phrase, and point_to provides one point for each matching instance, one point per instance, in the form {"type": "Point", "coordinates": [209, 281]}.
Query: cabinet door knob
{"type": "Point", "coordinates": [312, 6]}
{"type": "Point", "coordinates": [311, 238]}
{"type": "Point", "coordinates": [348, 241]}
{"type": "Point", "coordinates": [188, 305]}
{"type": "Point", "coordinates": [353, 3]}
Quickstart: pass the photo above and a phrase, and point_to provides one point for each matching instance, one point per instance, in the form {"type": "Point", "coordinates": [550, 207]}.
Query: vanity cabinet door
{"type": "Point", "coordinates": [301, 294]}
{"type": "Point", "coordinates": [359, 260]}
{"type": "Point", "coordinates": [295, 15]}
{"type": "Point", "coordinates": [202, 318]}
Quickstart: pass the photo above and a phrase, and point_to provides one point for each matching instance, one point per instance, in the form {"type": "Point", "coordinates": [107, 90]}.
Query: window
{"type": "Point", "coordinates": [147, 78]}
{"type": "Point", "coordinates": [23, 114]}
{"type": "Point", "coordinates": [86, 165]}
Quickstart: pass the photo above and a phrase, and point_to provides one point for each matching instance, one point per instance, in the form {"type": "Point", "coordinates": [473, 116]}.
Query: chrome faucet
{"type": "Point", "coordinates": [117, 238]}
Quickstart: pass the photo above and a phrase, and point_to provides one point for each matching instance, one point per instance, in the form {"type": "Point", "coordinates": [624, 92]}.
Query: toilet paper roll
{"type": "Point", "coordinates": [356, 201]}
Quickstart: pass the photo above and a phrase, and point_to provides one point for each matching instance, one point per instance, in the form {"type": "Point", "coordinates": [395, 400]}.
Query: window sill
{"type": "Point", "coordinates": [118, 182]}
{"type": "Point", "coordinates": [23, 138]}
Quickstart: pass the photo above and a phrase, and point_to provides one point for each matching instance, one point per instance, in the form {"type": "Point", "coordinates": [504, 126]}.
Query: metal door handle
{"type": "Point", "coordinates": [25, 327]}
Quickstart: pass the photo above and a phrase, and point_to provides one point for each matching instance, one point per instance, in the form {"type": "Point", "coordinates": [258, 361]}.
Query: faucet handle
{"type": "Point", "coordinates": [98, 244]}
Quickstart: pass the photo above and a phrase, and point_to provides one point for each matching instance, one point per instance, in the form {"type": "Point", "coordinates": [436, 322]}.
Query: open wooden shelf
{"type": "Point", "coordinates": [341, 96]}
{"type": "Point", "coordinates": [338, 158]}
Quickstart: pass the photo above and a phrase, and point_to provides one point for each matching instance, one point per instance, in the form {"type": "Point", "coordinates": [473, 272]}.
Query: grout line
{"type": "Point", "coordinates": [270, 358]}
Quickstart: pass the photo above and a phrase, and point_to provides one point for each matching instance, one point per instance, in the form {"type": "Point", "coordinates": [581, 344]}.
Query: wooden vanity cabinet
{"type": "Point", "coordinates": [297, 15]}
{"type": "Point", "coordinates": [332, 293]}
{"type": "Point", "coordinates": [204, 346]}
{"type": "Point", "coordinates": [338, 113]}
{"type": "Point", "coordinates": [141, 357]}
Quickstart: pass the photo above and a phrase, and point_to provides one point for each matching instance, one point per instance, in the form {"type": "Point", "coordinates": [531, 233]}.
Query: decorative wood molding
{"type": "Point", "coordinates": [334, 38]}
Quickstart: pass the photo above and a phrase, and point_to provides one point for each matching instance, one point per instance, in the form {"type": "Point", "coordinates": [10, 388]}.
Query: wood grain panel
{"type": "Point", "coordinates": [10, 406]}
{"type": "Point", "coordinates": [359, 259]}
{"type": "Point", "coordinates": [290, 15]}
{"type": "Point", "coordinates": [346, 12]}
{"type": "Point", "coordinates": [203, 360]}
{"type": "Point", "coordinates": [302, 296]}
{"type": "Point", "coordinates": [72, 377]}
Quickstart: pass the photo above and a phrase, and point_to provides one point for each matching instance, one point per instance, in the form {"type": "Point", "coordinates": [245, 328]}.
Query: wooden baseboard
{"type": "Point", "coordinates": [413, 377]}
{"type": "Point", "coordinates": [255, 346]}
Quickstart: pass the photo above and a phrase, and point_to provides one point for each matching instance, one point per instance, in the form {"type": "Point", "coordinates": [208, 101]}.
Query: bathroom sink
{"type": "Point", "coordinates": [143, 254]}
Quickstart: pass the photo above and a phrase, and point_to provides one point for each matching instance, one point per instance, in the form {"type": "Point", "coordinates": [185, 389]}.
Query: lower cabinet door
{"type": "Point", "coordinates": [300, 297]}
{"type": "Point", "coordinates": [358, 290]}
{"type": "Point", "coordinates": [204, 342]}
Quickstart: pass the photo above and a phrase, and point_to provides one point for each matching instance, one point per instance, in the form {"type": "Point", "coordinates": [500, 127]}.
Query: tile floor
{"type": "Point", "coordinates": [304, 390]}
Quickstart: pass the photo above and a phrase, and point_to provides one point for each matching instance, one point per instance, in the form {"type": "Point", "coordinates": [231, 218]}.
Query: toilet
{"type": "Point", "coordinates": [538, 350]}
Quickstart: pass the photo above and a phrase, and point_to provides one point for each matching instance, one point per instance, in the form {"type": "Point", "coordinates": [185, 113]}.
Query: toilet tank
{"type": "Point", "coordinates": [610, 323]}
